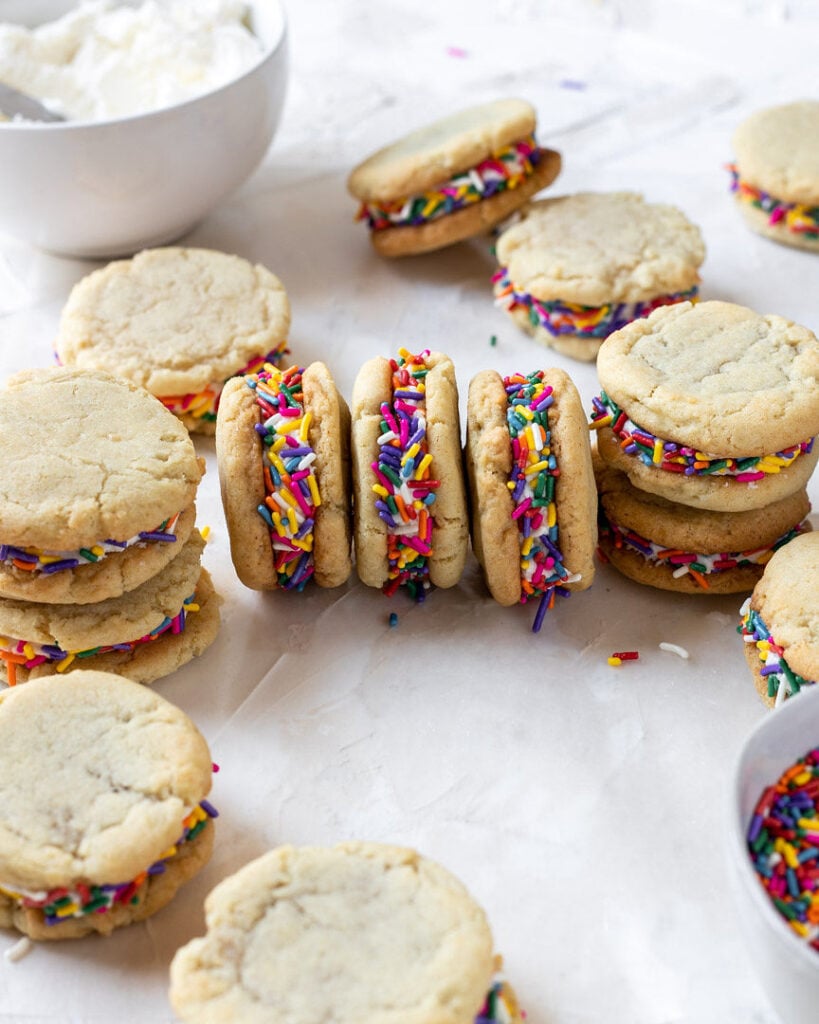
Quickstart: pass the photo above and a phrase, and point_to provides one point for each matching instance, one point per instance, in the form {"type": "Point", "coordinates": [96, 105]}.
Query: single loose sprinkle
{"type": "Point", "coordinates": [626, 655]}
{"type": "Point", "coordinates": [18, 950]}
{"type": "Point", "coordinates": [681, 652]}
{"type": "Point", "coordinates": [614, 661]}
{"type": "Point", "coordinates": [393, 620]}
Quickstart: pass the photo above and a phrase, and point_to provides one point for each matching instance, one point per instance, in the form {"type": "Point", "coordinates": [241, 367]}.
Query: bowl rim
{"type": "Point", "coordinates": [48, 127]}
{"type": "Point", "coordinates": [752, 888]}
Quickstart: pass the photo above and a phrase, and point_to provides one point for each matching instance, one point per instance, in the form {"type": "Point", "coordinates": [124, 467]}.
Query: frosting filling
{"type": "Point", "coordinates": [28, 654]}
{"type": "Point", "coordinates": [48, 562]}
{"type": "Point", "coordinates": [782, 681]}
{"type": "Point", "coordinates": [677, 458]}
{"type": "Point", "coordinates": [500, 1006]}
{"type": "Point", "coordinates": [59, 904]}
{"type": "Point", "coordinates": [797, 217]}
{"type": "Point", "coordinates": [559, 317]}
{"type": "Point", "coordinates": [532, 485]}
{"type": "Point", "coordinates": [291, 488]}
{"type": "Point", "coordinates": [404, 489]}
{"type": "Point", "coordinates": [503, 171]}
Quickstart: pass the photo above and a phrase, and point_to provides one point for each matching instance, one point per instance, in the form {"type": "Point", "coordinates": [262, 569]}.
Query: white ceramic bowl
{"type": "Point", "coordinates": [109, 188]}
{"type": "Point", "coordinates": [787, 967]}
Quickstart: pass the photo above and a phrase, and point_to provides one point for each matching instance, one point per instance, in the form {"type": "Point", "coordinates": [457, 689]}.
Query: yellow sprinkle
{"type": "Point", "coordinates": [405, 354]}
{"type": "Point", "coordinates": [68, 910]}
{"type": "Point", "coordinates": [306, 420]}
{"type": "Point", "coordinates": [278, 444]}
{"type": "Point", "coordinates": [526, 546]}
{"type": "Point", "coordinates": [812, 824]}
{"type": "Point", "coordinates": [28, 650]}
{"type": "Point", "coordinates": [657, 456]}
{"type": "Point", "coordinates": [799, 927]}
{"type": "Point", "coordinates": [525, 412]}
{"type": "Point", "coordinates": [306, 544]}
{"type": "Point", "coordinates": [314, 491]}
{"type": "Point", "coordinates": [192, 607]}
{"type": "Point", "coordinates": [615, 662]}
{"type": "Point", "coordinates": [511, 486]}
{"type": "Point", "coordinates": [48, 559]}
{"type": "Point", "coordinates": [536, 467]}
{"type": "Point", "coordinates": [288, 497]}
{"type": "Point", "coordinates": [802, 778]}
{"type": "Point", "coordinates": [277, 523]}
{"type": "Point", "coordinates": [381, 490]}
{"type": "Point", "coordinates": [276, 461]}
{"type": "Point", "coordinates": [551, 515]}
{"type": "Point", "coordinates": [61, 666]}
{"type": "Point", "coordinates": [205, 532]}
{"type": "Point", "coordinates": [787, 851]}
{"type": "Point", "coordinates": [604, 421]}
{"type": "Point", "coordinates": [423, 466]}
{"type": "Point", "coordinates": [411, 452]}
{"type": "Point", "coordinates": [200, 403]}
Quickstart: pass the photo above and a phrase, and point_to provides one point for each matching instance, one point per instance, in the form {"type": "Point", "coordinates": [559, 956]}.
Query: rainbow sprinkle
{"type": "Point", "coordinates": [500, 1006]}
{"type": "Point", "coordinates": [291, 486]}
{"type": "Point", "coordinates": [532, 484]}
{"type": "Point", "coordinates": [558, 317]}
{"type": "Point", "coordinates": [802, 220]}
{"type": "Point", "coordinates": [782, 681]}
{"type": "Point", "coordinates": [404, 487]}
{"type": "Point", "coordinates": [783, 844]}
{"type": "Point", "coordinates": [204, 405]}
{"type": "Point", "coordinates": [505, 170]}
{"type": "Point", "coordinates": [677, 458]}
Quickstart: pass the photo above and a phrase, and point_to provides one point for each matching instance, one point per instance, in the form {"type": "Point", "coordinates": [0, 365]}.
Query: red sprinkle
{"type": "Point", "coordinates": [626, 655]}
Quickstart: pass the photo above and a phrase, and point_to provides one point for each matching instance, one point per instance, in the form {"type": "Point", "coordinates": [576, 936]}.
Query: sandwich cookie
{"type": "Point", "coordinates": [713, 405]}
{"type": "Point", "coordinates": [410, 517]}
{"type": "Point", "coordinates": [452, 179]}
{"type": "Point", "coordinates": [531, 485]}
{"type": "Point", "coordinates": [693, 551]}
{"type": "Point", "coordinates": [283, 449]}
{"type": "Point", "coordinates": [178, 322]}
{"type": "Point", "coordinates": [780, 622]}
{"type": "Point", "coordinates": [573, 269]}
{"type": "Point", "coordinates": [350, 933]}
{"type": "Point", "coordinates": [143, 635]}
{"type": "Point", "coordinates": [775, 180]}
{"type": "Point", "coordinates": [99, 486]}
{"type": "Point", "coordinates": [103, 823]}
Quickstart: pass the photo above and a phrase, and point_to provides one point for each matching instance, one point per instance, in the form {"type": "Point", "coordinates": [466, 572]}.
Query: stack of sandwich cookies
{"type": "Point", "coordinates": [178, 322]}
{"type": "Point", "coordinates": [410, 524]}
{"type": "Point", "coordinates": [574, 269]}
{"type": "Point", "coordinates": [531, 486]}
{"type": "Point", "coordinates": [780, 622]}
{"type": "Point", "coordinates": [452, 179]}
{"type": "Point", "coordinates": [282, 442]}
{"type": "Point", "coordinates": [351, 933]}
{"type": "Point", "coordinates": [100, 826]}
{"type": "Point", "coordinates": [775, 180]}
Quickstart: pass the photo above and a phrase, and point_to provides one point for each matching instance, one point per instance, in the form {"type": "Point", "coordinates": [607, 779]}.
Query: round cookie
{"type": "Point", "coordinates": [179, 322]}
{"type": "Point", "coordinates": [692, 551]}
{"type": "Point", "coordinates": [533, 500]}
{"type": "Point", "coordinates": [97, 496]}
{"type": "Point", "coordinates": [711, 405]}
{"type": "Point", "coordinates": [410, 518]}
{"type": "Point", "coordinates": [351, 933]}
{"type": "Point", "coordinates": [143, 635]}
{"type": "Point", "coordinates": [775, 180]}
{"type": "Point", "coordinates": [573, 269]}
{"type": "Point", "coordinates": [452, 179]}
{"type": "Point", "coordinates": [278, 540]}
{"type": "Point", "coordinates": [101, 825]}
{"type": "Point", "coordinates": [780, 622]}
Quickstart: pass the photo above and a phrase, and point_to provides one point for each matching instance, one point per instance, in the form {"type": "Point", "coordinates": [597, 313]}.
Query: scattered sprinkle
{"type": "Point", "coordinates": [456, 51]}
{"type": "Point", "coordinates": [393, 620]}
{"type": "Point", "coordinates": [573, 83]}
{"type": "Point", "coordinates": [205, 531]}
{"type": "Point", "coordinates": [18, 950]}
{"type": "Point", "coordinates": [681, 652]}
{"type": "Point", "coordinates": [614, 661]}
{"type": "Point", "coordinates": [215, 767]}
{"type": "Point", "coordinates": [626, 655]}
{"type": "Point", "coordinates": [493, 340]}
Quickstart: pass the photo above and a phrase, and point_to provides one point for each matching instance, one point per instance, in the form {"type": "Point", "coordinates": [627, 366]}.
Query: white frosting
{"type": "Point", "coordinates": [102, 60]}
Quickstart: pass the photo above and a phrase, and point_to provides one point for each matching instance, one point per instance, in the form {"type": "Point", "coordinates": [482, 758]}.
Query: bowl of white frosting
{"type": "Point", "coordinates": [169, 105]}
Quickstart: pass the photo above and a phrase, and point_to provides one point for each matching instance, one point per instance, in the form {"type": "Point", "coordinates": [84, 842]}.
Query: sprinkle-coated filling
{"type": "Point", "coordinates": [404, 489]}
{"type": "Point", "coordinates": [558, 317]}
{"type": "Point", "coordinates": [48, 562]}
{"type": "Point", "coordinates": [783, 844]}
{"type": "Point", "coordinates": [59, 904]}
{"type": "Point", "coordinates": [203, 405]}
{"type": "Point", "coordinates": [532, 484]}
{"type": "Point", "coordinates": [677, 458]}
{"type": "Point", "coordinates": [802, 220]}
{"type": "Point", "coordinates": [291, 488]}
{"type": "Point", "coordinates": [499, 1007]}
{"type": "Point", "coordinates": [781, 679]}
{"type": "Point", "coordinates": [504, 170]}
{"type": "Point", "coordinates": [23, 652]}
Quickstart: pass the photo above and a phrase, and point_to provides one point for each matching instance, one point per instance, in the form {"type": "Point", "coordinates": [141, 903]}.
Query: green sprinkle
{"type": "Point", "coordinates": [493, 340]}
{"type": "Point", "coordinates": [89, 556]}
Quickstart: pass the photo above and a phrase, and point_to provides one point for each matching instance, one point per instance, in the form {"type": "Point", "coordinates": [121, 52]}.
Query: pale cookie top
{"type": "Point", "coordinates": [439, 151]}
{"type": "Point", "coordinates": [174, 320]}
{"type": "Point", "coordinates": [595, 248]}
{"type": "Point", "coordinates": [106, 795]}
{"type": "Point", "coordinates": [356, 933]}
{"type": "Point", "coordinates": [777, 150]}
{"type": "Point", "coordinates": [88, 457]}
{"type": "Point", "coordinates": [716, 377]}
{"type": "Point", "coordinates": [787, 598]}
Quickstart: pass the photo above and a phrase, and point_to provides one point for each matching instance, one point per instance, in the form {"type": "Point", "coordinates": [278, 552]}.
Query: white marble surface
{"type": "Point", "coordinates": [583, 806]}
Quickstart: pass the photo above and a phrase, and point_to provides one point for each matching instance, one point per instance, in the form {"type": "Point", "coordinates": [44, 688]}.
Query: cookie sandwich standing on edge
{"type": "Point", "coordinates": [775, 180]}
{"type": "Point", "coordinates": [179, 322]}
{"type": "Point", "coordinates": [780, 622]}
{"type": "Point", "coordinates": [533, 501]}
{"type": "Point", "coordinates": [410, 518]}
{"type": "Point", "coordinates": [351, 933]}
{"type": "Point", "coordinates": [713, 405]}
{"type": "Point", "coordinates": [101, 825]}
{"type": "Point", "coordinates": [283, 450]}
{"type": "Point", "coordinates": [573, 269]}
{"type": "Point", "coordinates": [452, 179]}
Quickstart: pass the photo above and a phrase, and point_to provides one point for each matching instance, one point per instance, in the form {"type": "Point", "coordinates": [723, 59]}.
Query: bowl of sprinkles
{"type": "Point", "coordinates": [774, 854]}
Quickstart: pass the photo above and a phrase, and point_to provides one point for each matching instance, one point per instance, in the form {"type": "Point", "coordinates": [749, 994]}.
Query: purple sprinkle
{"type": "Point", "coordinates": [542, 608]}
{"type": "Point", "coordinates": [156, 535]}
{"type": "Point", "coordinates": [209, 809]}
{"type": "Point", "coordinates": [156, 869]}
{"type": "Point", "coordinates": [65, 563]}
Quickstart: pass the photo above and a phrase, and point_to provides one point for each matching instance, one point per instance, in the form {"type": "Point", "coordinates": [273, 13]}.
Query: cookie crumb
{"type": "Point", "coordinates": [18, 950]}
{"type": "Point", "coordinates": [674, 649]}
